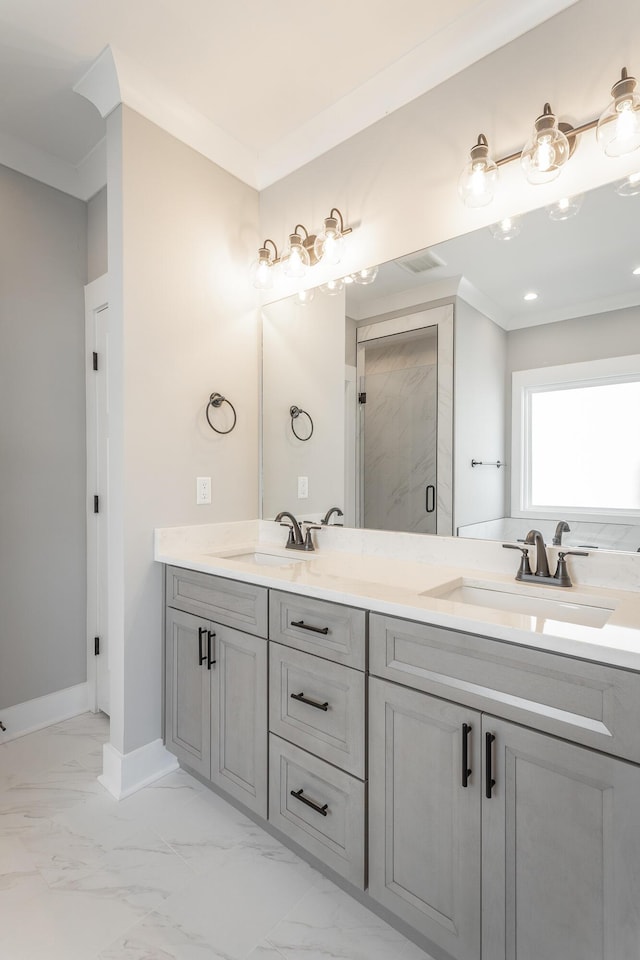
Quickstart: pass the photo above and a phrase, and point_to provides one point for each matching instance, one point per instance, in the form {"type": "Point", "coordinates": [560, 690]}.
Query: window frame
{"type": "Point", "coordinates": [524, 384]}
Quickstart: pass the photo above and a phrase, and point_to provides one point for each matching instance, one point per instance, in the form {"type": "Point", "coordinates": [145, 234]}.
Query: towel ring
{"type": "Point", "coordinates": [216, 400]}
{"type": "Point", "coordinates": [295, 413]}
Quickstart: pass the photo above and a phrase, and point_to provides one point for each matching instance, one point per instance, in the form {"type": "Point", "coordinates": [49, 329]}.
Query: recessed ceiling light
{"type": "Point", "coordinates": [530, 296]}
{"type": "Point", "coordinates": [636, 272]}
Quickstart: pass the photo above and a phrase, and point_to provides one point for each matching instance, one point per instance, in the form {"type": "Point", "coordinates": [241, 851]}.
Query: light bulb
{"type": "Point", "coordinates": [332, 287]}
{"type": "Point", "coordinates": [261, 270]}
{"type": "Point", "coordinates": [618, 130]}
{"type": "Point", "coordinates": [565, 208]}
{"type": "Point", "coordinates": [477, 182]}
{"type": "Point", "coordinates": [330, 243]}
{"type": "Point", "coordinates": [365, 276]}
{"type": "Point", "coordinates": [547, 150]}
{"type": "Point", "coordinates": [295, 262]}
{"type": "Point", "coordinates": [505, 229]}
{"type": "Point", "coordinates": [630, 186]}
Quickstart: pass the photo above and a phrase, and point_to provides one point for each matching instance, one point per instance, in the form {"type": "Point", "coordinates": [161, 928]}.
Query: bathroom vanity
{"type": "Point", "coordinates": [475, 770]}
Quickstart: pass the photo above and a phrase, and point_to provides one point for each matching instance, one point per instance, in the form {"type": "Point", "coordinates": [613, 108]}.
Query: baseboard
{"type": "Point", "coordinates": [126, 773]}
{"type": "Point", "coordinates": [23, 718]}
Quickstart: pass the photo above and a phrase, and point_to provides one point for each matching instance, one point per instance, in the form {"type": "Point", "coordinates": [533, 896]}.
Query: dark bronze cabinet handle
{"type": "Point", "coordinates": [210, 659]}
{"type": "Point", "coordinates": [490, 784]}
{"type": "Point", "coordinates": [201, 656]}
{"type": "Point", "coordinates": [306, 626]}
{"type": "Point", "coordinates": [312, 703]}
{"type": "Point", "coordinates": [298, 794]}
{"type": "Point", "coordinates": [466, 769]}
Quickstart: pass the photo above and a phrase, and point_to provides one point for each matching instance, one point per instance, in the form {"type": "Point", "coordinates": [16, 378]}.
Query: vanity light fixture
{"type": "Point", "coordinates": [552, 144]}
{"type": "Point", "coordinates": [329, 244]}
{"type": "Point", "coordinates": [365, 276]}
{"type": "Point", "coordinates": [478, 180]}
{"type": "Point", "coordinates": [505, 229]}
{"type": "Point", "coordinates": [618, 129]}
{"type": "Point", "coordinates": [547, 150]}
{"type": "Point", "coordinates": [303, 297]}
{"type": "Point", "coordinates": [297, 259]}
{"type": "Point", "coordinates": [261, 271]}
{"type": "Point", "coordinates": [566, 208]}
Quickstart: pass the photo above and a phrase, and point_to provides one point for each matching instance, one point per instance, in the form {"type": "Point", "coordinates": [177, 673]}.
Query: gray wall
{"type": "Point", "coordinates": [97, 235]}
{"type": "Point", "coordinates": [42, 440]}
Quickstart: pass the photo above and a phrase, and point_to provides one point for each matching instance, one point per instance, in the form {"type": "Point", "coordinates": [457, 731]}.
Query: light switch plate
{"type": "Point", "coordinates": [303, 488]}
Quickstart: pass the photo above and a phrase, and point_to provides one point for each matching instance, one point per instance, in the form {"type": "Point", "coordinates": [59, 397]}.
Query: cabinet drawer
{"type": "Point", "coordinates": [575, 699]}
{"type": "Point", "coordinates": [330, 824]}
{"type": "Point", "coordinates": [329, 721]}
{"type": "Point", "coordinates": [239, 605]}
{"type": "Point", "coordinates": [317, 626]}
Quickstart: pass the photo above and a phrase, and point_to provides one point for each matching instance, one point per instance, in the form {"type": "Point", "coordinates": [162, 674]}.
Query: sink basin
{"type": "Point", "coordinates": [262, 559]}
{"type": "Point", "coordinates": [513, 600]}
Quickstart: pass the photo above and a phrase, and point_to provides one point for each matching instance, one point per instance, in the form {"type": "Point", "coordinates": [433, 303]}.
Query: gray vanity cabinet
{"type": "Point", "coordinates": [560, 849]}
{"type": "Point", "coordinates": [187, 691]}
{"type": "Point", "coordinates": [424, 826]}
{"type": "Point", "coordinates": [216, 687]}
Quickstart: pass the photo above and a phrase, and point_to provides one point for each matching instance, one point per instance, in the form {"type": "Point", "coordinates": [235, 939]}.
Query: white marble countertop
{"type": "Point", "coordinates": [383, 582]}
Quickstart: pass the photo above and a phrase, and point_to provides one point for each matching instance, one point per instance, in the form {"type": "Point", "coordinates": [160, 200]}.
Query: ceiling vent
{"type": "Point", "coordinates": [420, 262]}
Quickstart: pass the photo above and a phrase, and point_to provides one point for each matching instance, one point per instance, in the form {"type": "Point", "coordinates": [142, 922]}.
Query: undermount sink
{"type": "Point", "coordinates": [593, 613]}
{"type": "Point", "coordinates": [261, 558]}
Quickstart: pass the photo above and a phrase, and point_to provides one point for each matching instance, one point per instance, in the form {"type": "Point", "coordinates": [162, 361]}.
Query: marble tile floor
{"type": "Point", "coordinates": [171, 873]}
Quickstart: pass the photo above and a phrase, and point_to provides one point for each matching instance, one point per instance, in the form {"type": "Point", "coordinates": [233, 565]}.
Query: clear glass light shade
{"type": "Point", "coordinates": [618, 130]}
{"type": "Point", "coordinates": [547, 151]}
{"type": "Point", "coordinates": [303, 297]}
{"type": "Point", "coordinates": [332, 287]}
{"type": "Point", "coordinates": [565, 208]}
{"type": "Point", "coordinates": [295, 262]}
{"type": "Point", "coordinates": [478, 181]}
{"type": "Point", "coordinates": [261, 271]}
{"type": "Point", "coordinates": [505, 229]}
{"type": "Point", "coordinates": [630, 186]}
{"type": "Point", "coordinates": [330, 243]}
{"type": "Point", "coordinates": [365, 276]}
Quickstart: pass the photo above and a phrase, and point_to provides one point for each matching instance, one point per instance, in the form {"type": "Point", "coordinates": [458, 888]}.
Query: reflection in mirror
{"type": "Point", "coordinates": [585, 309]}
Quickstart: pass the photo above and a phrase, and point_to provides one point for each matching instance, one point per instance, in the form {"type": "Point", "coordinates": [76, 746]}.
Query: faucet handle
{"type": "Point", "coordinates": [562, 574]}
{"type": "Point", "coordinates": [290, 538]}
{"type": "Point", "coordinates": [571, 553]}
{"type": "Point", "coordinates": [309, 525]}
{"type": "Point", "coordinates": [525, 567]}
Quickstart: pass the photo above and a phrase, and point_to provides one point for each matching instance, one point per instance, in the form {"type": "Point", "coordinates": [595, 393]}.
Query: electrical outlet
{"type": "Point", "coordinates": [203, 490]}
{"type": "Point", "coordinates": [303, 488]}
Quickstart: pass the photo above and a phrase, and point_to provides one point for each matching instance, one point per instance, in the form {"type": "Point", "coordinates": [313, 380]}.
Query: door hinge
{"type": "Point", "coordinates": [2, 727]}
{"type": "Point", "coordinates": [96, 646]}
{"type": "Point", "coordinates": [96, 503]}
{"type": "Point", "coordinates": [362, 397]}
{"type": "Point", "coordinates": [95, 360]}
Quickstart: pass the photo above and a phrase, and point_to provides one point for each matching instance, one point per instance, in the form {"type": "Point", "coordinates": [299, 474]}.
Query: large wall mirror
{"type": "Point", "coordinates": [481, 387]}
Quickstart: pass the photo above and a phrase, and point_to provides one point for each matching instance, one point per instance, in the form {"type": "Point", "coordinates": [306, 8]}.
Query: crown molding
{"type": "Point", "coordinates": [81, 181]}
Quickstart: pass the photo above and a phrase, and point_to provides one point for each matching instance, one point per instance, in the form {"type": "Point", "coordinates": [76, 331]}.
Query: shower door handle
{"type": "Point", "coordinates": [430, 498]}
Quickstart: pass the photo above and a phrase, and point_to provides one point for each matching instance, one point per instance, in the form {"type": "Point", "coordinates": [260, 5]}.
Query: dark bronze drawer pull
{"type": "Point", "coordinates": [201, 656]}
{"type": "Point", "coordinates": [466, 769]}
{"type": "Point", "coordinates": [306, 626]}
{"type": "Point", "coordinates": [312, 703]}
{"type": "Point", "coordinates": [490, 782]}
{"type": "Point", "coordinates": [298, 794]}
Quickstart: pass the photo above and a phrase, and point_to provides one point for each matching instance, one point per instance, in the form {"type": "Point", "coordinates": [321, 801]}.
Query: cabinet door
{"type": "Point", "coordinates": [424, 826]}
{"type": "Point", "coordinates": [187, 691]}
{"type": "Point", "coordinates": [560, 851]}
{"type": "Point", "coordinates": [239, 716]}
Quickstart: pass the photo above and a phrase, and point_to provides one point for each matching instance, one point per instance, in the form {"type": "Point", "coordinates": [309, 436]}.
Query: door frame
{"type": "Point", "coordinates": [95, 300]}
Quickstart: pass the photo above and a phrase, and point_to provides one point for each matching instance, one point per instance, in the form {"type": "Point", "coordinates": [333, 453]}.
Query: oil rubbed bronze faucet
{"type": "Point", "coordinates": [563, 527]}
{"type": "Point", "coordinates": [542, 575]}
{"type": "Point", "coordinates": [297, 540]}
{"type": "Point", "coordinates": [327, 517]}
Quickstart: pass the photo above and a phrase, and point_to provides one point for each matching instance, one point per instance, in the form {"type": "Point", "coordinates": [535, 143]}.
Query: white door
{"type": "Point", "coordinates": [97, 355]}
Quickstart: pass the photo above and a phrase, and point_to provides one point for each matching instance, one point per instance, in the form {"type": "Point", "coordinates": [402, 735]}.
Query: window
{"type": "Point", "coordinates": [576, 441]}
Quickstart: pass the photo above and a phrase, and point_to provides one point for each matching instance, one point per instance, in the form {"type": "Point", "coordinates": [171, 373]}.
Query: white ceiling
{"type": "Point", "coordinates": [263, 87]}
{"type": "Point", "coordinates": [578, 267]}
